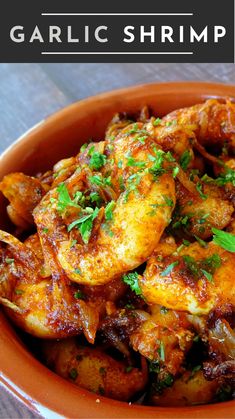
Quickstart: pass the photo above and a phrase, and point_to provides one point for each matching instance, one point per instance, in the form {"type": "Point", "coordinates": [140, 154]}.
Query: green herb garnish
{"type": "Point", "coordinates": [9, 261]}
{"type": "Point", "coordinates": [97, 160]}
{"type": "Point", "coordinates": [19, 292]}
{"type": "Point", "coordinates": [79, 295]}
{"type": "Point", "coordinates": [185, 159]}
{"type": "Point", "coordinates": [109, 210]}
{"type": "Point", "coordinates": [64, 199]}
{"type": "Point", "coordinates": [224, 239]}
{"type": "Point", "coordinates": [199, 189]}
{"type": "Point", "coordinates": [131, 279]}
{"type": "Point", "coordinates": [85, 224]}
{"type": "Point", "coordinates": [156, 122]}
{"type": "Point", "coordinates": [133, 162]}
{"type": "Point", "coordinates": [169, 268]}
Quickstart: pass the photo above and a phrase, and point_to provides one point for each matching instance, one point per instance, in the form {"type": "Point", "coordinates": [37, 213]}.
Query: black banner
{"type": "Point", "coordinates": [105, 31]}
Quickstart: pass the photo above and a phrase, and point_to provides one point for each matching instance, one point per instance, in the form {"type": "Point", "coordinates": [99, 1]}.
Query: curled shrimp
{"type": "Point", "coordinates": [24, 193]}
{"type": "Point", "coordinates": [164, 338]}
{"type": "Point", "coordinates": [212, 122]}
{"type": "Point", "coordinates": [40, 305]}
{"type": "Point", "coordinates": [194, 279]}
{"type": "Point", "coordinates": [144, 197]}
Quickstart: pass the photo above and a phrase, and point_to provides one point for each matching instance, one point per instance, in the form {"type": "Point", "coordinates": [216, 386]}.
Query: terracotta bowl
{"type": "Point", "coordinates": [59, 136]}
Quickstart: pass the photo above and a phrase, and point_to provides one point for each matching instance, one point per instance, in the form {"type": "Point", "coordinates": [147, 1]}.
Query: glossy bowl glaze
{"type": "Point", "coordinates": [59, 136]}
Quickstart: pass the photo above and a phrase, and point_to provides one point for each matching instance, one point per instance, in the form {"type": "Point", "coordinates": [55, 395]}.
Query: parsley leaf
{"type": "Point", "coordinates": [109, 210]}
{"type": "Point", "coordinates": [206, 266]}
{"type": "Point", "coordinates": [131, 279]}
{"type": "Point", "coordinates": [97, 160]}
{"type": "Point", "coordinates": [161, 351]}
{"type": "Point", "coordinates": [64, 199]}
{"type": "Point", "coordinates": [227, 177]}
{"type": "Point", "coordinates": [79, 295]}
{"type": "Point", "coordinates": [85, 224]}
{"type": "Point", "coordinates": [169, 268]}
{"type": "Point", "coordinates": [224, 239]}
{"type": "Point", "coordinates": [133, 162]}
{"type": "Point", "coordinates": [200, 191]}
{"type": "Point", "coordinates": [156, 122]}
{"type": "Point", "coordinates": [185, 159]}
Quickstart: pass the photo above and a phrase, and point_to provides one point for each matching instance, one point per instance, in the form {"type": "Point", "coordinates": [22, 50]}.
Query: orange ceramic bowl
{"type": "Point", "coordinates": [59, 136]}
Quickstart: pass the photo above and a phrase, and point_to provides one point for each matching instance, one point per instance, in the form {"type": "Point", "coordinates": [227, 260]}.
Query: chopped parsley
{"type": "Point", "coordinates": [133, 162]}
{"type": "Point", "coordinates": [129, 369]}
{"type": "Point", "coordinates": [175, 171]}
{"type": "Point", "coordinates": [9, 261]}
{"type": "Point", "coordinates": [154, 366]}
{"type": "Point", "coordinates": [157, 122]}
{"type": "Point", "coordinates": [85, 224]}
{"type": "Point", "coordinates": [134, 129]}
{"type": "Point", "coordinates": [228, 176]}
{"type": "Point", "coordinates": [131, 279]}
{"type": "Point", "coordinates": [169, 202]}
{"type": "Point", "coordinates": [200, 241]}
{"type": "Point", "coordinates": [224, 239]}
{"type": "Point", "coordinates": [161, 385]}
{"type": "Point", "coordinates": [163, 310]}
{"type": "Point", "coordinates": [64, 199]}
{"type": "Point", "coordinates": [95, 197]}
{"type": "Point", "coordinates": [79, 295]}
{"type": "Point", "coordinates": [169, 268]}
{"type": "Point", "coordinates": [97, 160]}
{"type": "Point", "coordinates": [200, 191]}
{"type": "Point", "coordinates": [100, 181]}
{"type": "Point", "coordinates": [109, 210]}
{"type": "Point", "coordinates": [158, 160]}
{"type": "Point", "coordinates": [83, 147]}
{"type": "Point", "coordinates": [207, 266]}
{"type": "Point", "coordinates": [185, 159]}
{"type": "Point", "coordinates": [161, 351]}
{"type": "Point", "coordinates": [19, 292]}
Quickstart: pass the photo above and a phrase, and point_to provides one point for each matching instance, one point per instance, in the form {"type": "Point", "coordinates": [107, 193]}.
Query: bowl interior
{"type": "Point", "coordinates": [60, 136]}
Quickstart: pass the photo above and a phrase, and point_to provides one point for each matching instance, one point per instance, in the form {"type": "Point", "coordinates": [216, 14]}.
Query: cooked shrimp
{"type": "Point", "coordinates": [24, 193]}
{"type": "Point", "coordinates": [164, 338]}
{"type": "Point", "coordinates": [118, 243]}
{"type": "Point", "coordinates": [194, 279]}
{"type": "Point", "coordinates": [212, 122]}
{"type": "Point", "coordinates": [41, 306]}
{"type": "Point", "coordinates": [94, 370]}
{"type": "Point", "coordinates": [203, 210]}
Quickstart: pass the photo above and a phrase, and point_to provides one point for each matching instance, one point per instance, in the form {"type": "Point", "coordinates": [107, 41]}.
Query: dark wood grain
{"type": "Point", "coordinates": [30, 92]}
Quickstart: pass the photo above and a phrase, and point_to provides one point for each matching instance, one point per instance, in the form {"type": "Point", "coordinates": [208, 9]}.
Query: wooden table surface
{"type": "Point", "coordinates": [30, 92]}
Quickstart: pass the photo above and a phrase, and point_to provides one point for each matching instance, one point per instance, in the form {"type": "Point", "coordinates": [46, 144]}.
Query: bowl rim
{"type": "Point", "coordinates": [15, 382]}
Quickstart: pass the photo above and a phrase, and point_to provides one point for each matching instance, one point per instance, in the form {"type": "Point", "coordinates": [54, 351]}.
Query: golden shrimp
{"type": "Point", "coordinates": [164, 338]}
{"type": "Point", "coordinates": [94, 370]}
{"type": "Point", "coordinates": [212, 122]}
{"type": "Point", "coordinates": [194, 279]}
{"type": "Point", "coordinates": [203, 210]}
{"type": "Point", "coordinates": [118, 241]}
{"type": "Point", "coordinates": [38, 304]}
{"type": "Point", "coordinates": [24, 193]}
